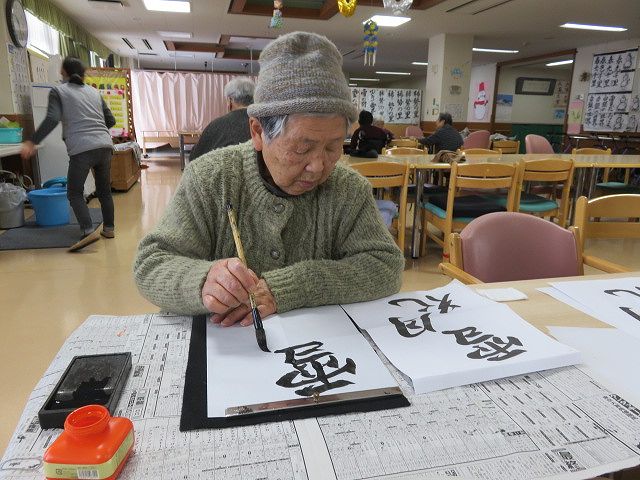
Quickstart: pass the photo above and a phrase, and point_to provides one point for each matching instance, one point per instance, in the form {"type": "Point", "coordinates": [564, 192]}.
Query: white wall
{"type": "Point", "coordinates": [486, 75]}
{"type": "Point", "coordinates": [531, 108]}
{"type": "Point", "coordinates": [584, 61]}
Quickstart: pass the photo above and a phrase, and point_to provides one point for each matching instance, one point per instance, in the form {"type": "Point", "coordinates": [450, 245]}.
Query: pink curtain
{"type": "Point", "coordinates": [176, 101]}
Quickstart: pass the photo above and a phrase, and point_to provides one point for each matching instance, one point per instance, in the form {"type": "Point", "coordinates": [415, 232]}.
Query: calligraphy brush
{"type": "Point", "coordinates": [261, 337]}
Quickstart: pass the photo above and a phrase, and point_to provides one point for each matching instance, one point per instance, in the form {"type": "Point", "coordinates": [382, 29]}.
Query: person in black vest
{"type": "Point", "coordinates": [445, 137]}
{"type": "Point", "coordinates": [367, 141]}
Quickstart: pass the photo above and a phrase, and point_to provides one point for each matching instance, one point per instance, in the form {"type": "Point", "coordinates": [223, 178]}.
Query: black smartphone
{"type": "Point", "coordinates": [88, 380]}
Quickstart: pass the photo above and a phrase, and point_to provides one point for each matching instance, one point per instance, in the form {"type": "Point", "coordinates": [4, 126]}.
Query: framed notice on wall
{"type": "Point", "coordinates": [535, 86]}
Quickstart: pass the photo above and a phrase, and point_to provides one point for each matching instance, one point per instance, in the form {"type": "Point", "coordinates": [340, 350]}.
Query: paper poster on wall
{"type": "Point", "coordinates": [19, 79]}
{"type": "Point", "coordinates": [558, 113]}
{"type": "Point", "coordinates": [395, 105]}
{"type": "Point", "coordinates": [481, 85]}
{"type": "Point", "coordinates": [451, 336]}
{"type": "Point", "coordinates": [456, 110]}
{"type": "Point", "coordinates": [574, 118]}
{"type": "Point", "coordinates": [561, 93]}
{"type": "Point", "coordinates": [504, 107]}
{"type": "Point", "coordinates": [633, 125]}
{"type": "Point", "coordinates": [112, 87]}
{"type": "Point", "coordinates": [610, 101]}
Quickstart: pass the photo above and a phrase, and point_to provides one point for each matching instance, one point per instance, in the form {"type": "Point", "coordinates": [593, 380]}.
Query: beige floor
{"type": "Point", "coordinates": [46, 294]}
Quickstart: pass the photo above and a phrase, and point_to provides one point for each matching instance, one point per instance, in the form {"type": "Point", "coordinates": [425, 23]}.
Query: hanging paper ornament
{"type": "Point", "coordinates": [399, 7]}
{"type": "Point", "coordinates": [276, 19]}
{"type": "Point", "coordinates": [370, 42]}
{"type": "Point", "coordinates": [347, 7]}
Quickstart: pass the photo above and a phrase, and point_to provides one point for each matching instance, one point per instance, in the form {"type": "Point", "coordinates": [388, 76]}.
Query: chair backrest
{"type": "Point", "coordinates": [413, 131]}
{"type": "Point", "coordinates": [537, 144]}
{"type": "Point", "coordinates": [404, 151]}
{"type": "Point", "coordinates": [613, 216]}
{"type": "Point", "coordinates": [508, 246]}
{"type": "Point", "coordinates": [590, 151]}
{"type": "Point", "coordinates": [389, 174]}
{"type": "Point", "coordinates": [482, 176]}
{"type": "Point", "coordinates": [404, 142]}
{"type": "Point", "coordinates": [549, 170]}
{"type": "Point", "coordinates": [506, 146]}
{"type": "Point", "coordinates": [479, 139]}
{"type": "Point", "coordinates": [480, 151]}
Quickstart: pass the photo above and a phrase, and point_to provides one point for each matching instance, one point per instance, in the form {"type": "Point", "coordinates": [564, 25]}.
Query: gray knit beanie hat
{"type": "Point", "coordinates": [301, 72]}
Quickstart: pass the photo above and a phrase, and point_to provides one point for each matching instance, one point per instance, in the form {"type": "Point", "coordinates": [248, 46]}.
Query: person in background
{"type": "Point", "coordinates": [312, 234]}
{"type": "Point", "coordinates": [445, 137]}
{"type": "Point", "coordinates": [232, 128]}
{"type": "Point", "coordinates": [367, 141]}
{"type": "Point", "coordinates": [378, 121]}
{"type": "Point", "coordinates": [86, 121]}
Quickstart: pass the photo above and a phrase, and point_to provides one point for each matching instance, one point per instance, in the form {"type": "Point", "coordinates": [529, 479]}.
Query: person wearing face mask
{"type": "Point", "coordinates": [86, 121]}
{"type": "Point", "coordinates": [232, 128]}
{"type": "Point", "coordinates": [311, 231]}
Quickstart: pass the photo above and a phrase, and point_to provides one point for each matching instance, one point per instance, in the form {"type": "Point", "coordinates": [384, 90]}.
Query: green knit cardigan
{"type": "Point", "coordinates": [327, 246]}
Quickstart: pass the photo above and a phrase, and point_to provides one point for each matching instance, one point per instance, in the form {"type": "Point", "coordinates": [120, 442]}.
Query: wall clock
{"type": "Point", "coordinates": [17, 23]}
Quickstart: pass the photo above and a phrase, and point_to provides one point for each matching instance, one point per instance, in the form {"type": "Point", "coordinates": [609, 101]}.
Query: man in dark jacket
{"type": "Point", "coordinates": [232, 128]}
{"type": "Point", "coordinates": [445, 137]}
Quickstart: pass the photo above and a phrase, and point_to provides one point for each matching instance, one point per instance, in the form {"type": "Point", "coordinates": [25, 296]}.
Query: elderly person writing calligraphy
{"type": "Point", "coordinates": [311, 232]}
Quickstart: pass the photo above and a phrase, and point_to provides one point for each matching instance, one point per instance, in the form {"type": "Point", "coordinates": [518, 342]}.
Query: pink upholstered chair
{"type": "Point", "coordinates": [479, 139]}
{"type": "Point", "coordinates": [537, 144]}
{"type": "Point", "coordinates": [413, 131]}
{"type": "Point", "coordinates": [507, 246]}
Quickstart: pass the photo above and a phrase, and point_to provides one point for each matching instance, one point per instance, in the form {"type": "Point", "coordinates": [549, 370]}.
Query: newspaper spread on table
{"type": "Point", "coordinates": [558, 424]}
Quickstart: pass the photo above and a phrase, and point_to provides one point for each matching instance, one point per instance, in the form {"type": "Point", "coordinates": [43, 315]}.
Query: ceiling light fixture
{"type": "Point", "coordinates": [560, 62]}
{"type": "Point", "coordinates": [420, 63]}
{"type": "Point", "coordinates": [353, 84]}
{"type": "Point", "coordinates": [603, 28]}
{"type": "Point", "coordinates": [494, 50]}
{"type": "Point", "coordinates": [177, 6]}
{"type": "Point", "coordinates": [183, 55]}
{"type": "Point", "coordinates": [163, 33]}
{"type": "Point", "coordinates": [364, 79]}
{"type": "Point", "coordinates": [393, 73]}
{"type": "Point", "coordinates": [387, 21]}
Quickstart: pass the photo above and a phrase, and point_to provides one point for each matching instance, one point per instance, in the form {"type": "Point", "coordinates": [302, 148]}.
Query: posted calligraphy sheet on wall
{"type": "Point", "coordinates": [612, 104]}
{"type": "Point", "coordinates": [452, 336]}
{"type": "Point", "coordinates": [313, 351]}
{"type": "Point", "coordinates": [395, 105]}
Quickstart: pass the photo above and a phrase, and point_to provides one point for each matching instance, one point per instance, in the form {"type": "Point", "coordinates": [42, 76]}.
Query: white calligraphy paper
{"type": "Point", "coordinates": [614, 301]}
{"type": "Point", "coordinates": [312, 350]}
{"type": "Point", "coordinates": [452, 336]}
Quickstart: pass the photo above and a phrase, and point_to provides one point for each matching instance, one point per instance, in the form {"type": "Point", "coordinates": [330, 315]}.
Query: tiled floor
{"type": "Point", "coordinates": [46, 294]}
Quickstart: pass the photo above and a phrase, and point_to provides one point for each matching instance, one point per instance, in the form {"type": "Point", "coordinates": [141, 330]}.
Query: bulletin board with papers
{"type": "Point", "coordinates": [613, 103]}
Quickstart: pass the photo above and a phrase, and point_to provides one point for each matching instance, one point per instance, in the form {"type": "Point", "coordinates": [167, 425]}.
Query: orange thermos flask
{"type": "Point", "coordinates": [93, 445]}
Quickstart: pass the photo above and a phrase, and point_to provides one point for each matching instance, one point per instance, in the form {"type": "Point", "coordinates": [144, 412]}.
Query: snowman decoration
{"type": "Point", "coordinates": [480, 103]}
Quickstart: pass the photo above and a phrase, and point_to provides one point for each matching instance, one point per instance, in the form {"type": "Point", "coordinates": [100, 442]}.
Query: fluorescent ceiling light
{"type": "Point", "coordinates": [419, 63]}
{"type": "Point", "coordinates": [561, 62]}
{"type": "Point", "coordinates": [183, 55]}
{"type": "Point", "coordinates": [180, 6]}
{"type": "Point", "coordinates": [353, 84]}
{"type": "Point", "coordinates": [393, 73]}
{"type": "Point", "coordinates": [387, 20]}
{"type": "Point", "coordinates": [494, 50]}
{"type": "Point", "coordinates": [364, 79]}
{"type": "Point", "coordinates": [163, 33]}
{"type": "Point", "coordinates": [594, 27]}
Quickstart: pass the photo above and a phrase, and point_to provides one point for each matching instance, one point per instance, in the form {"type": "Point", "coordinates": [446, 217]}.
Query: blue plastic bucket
{"type": "Point", "coordinates": [51, 206]}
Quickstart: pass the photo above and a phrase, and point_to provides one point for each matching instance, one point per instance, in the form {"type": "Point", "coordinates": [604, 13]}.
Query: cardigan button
{"type": "Point", "coordinates": [275, 254]}
{"type": "Point", "coordinates": [278, 208]}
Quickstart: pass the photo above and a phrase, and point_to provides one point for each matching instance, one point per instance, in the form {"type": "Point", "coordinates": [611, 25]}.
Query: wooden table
{"type": "Point", "coordinates": [584, 164]}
